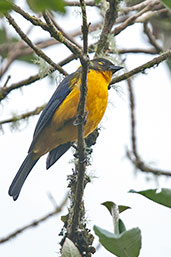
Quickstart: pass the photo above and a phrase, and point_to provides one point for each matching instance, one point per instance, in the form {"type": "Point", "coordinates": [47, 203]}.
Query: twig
{"type": "Point", "coordinates": [5, 47]}
{"type": "Point", "coordinates": [61, 30]}
{"type": "Point", "coordinates": [6, 82]}
{"type": "Point", "coordinates": [133, 155]}
{"type": "Point", "coordinates": [151, 14]}
{"type": "Point", "coordinates": [85, 29]}
{"type": "Point", "coordinates": [13, 52]}
{"type": "Point", "coordinates": [37, 50]}
{"type": "Point", "coordinates": [60, 37]}
{"type": "Point", "coordinates": [151, 38]}
{"type": "Point", "coordinates": [33, 19]}
{"type": "Point", "coordinates": [74, 3]}
{"type": "Point", "coordinates": [4, 91]}
{"type": "Point", "coordinates": [12, 55]}
{"type": "Point", "coordinates": [137, 51]}
{"type": "Point", "coordinates": [36, 222]}
{"type": "Point", "coordinates": [137, 7]}
{"type": "Point", "coordinates": [23, 116]}
{"type": "Point", "coordinates": [48, 26]}
{"type": "Point", "coordinates": [26, 50]}
{"type": "Point", "coordinates": [8, 63]}
{"type": "Point", "coordinates": [139, 164]}
{"type": "Point", "coordinates": [109, 20]}
{"type": "Point", "coordinates": [67, 59]}
{"type": "Point", "coordinates": [154, 62]}
{"type": "Point", "coordinates": [131, 19]}
{"type": "Point", "coordinates": [132, 118]}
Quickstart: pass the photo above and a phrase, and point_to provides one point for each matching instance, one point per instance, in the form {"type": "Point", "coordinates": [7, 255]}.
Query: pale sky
{"type": "Point", "coordinates": [114, 175]}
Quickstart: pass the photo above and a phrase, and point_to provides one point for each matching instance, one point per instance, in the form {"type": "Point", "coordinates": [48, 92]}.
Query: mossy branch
{"type": "Point", "coordinates": [81, 116]}
{"type": "Point", "coordinates": [109, 20]}
{"type": "Point", "coordinates": [49, 27]}
{"type": "Point", "coordinates": [17, 118]}
{"type": "Point", "coordinates": [36, 49]}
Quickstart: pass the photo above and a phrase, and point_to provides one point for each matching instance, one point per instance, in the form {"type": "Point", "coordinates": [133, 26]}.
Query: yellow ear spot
{"type": "Point", "coordinates": [100, 63]}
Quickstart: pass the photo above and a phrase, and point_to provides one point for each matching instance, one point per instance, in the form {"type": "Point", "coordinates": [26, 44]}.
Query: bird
{"type": "Point", "coordinates": [55, 130]}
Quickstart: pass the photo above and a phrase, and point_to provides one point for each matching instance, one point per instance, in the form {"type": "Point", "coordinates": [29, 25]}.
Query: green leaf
{"type": "Point", "coordinates": [123, 208]}
{"type": "Point", "coordinates": [109, 205]}
{"type": "Point", "coordinates": [42, 5]}
{"type": "Point", "coordinates": [97, 1]}
{"type": "Point", "coordinates": [121, 226]}
{"type": "Point", "coordinates": [5, 6]}
{"type": "Point", "coordinates": [3, 36]}
{"type": "Point", "coordinates": [161, 196]}
{"type": "Point", "coordinates": [167, 3]}
{"type": "Point", "coordinates": [126, 244]}
{"type": "Point", "coordinates": [27, 58]}
{"type": "Point", "coordinates": [64, 218]}
{"type": "Point", "coordinates": [69, 249]}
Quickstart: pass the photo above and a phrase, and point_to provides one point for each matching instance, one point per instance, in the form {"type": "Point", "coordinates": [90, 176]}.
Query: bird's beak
{"type": "Point", "coordinates": [114, 68]}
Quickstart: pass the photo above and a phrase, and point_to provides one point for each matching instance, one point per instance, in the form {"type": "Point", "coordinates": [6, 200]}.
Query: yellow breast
{"type": "Point", "coordinates": [61, 129]}
{"type": "Point", "coordinates": [96, 102]}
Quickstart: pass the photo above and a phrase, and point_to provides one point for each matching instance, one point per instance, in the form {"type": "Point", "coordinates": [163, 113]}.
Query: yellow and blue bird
{"type": "Point", "coordinates": [55, 129]}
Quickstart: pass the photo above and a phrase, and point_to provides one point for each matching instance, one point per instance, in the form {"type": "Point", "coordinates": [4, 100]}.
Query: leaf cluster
{"type": "Point", "coordinates": [35, 5]}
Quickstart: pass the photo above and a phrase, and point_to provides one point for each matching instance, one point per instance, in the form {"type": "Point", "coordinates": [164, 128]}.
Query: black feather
{"type": "Point", "coordinates": [21, 176]}
{"type": "Point", "coordinates": [56, 153]}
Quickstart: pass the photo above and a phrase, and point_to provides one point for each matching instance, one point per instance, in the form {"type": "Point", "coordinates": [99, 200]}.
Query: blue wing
{"type": "Point", "coordinates": [55, 101]}
{"type": "Point", "coordinates": [56, 153]}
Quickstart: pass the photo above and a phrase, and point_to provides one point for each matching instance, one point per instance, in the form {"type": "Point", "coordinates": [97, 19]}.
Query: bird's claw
{"type": "Point", "coordinates": [78, 121]}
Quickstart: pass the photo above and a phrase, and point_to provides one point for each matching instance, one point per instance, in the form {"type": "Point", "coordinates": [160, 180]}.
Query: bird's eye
{"type": "Point", "coordinates": [100, 63]}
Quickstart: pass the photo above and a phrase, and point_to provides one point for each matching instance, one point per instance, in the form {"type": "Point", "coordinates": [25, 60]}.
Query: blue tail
{"type": "Point", "coordinates": [21, 176]}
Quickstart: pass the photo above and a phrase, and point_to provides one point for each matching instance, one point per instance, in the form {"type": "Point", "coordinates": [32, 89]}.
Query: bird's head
{"type": "Point", "coordinates": [102, 65]}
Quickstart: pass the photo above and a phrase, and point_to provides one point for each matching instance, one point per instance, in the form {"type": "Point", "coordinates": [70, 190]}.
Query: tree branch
{"type": "Point", "coordinates": [70, 38]}
{"type": "Point", "coordinates": [133, 155]}
{"type": "Point", "coordinates": [37, 50]}
{"type": "Point", "coordinates": [109, 20]}
{"type": "Point", "coordinates": [132, 18]}
{"type": "Point", "coordinates": [60, 37]}
{"type": "Point", "coordinates": [151, 14]}
{"type": "Point", "coordinates": [154, 62]}
{"type": "Point", "coordinates": [137, 51]}
{"type": "Point", "coordinates": [23, 49]}
{"type": "Point", "coordinates": [139, 164]}
{"type": "Point", "coordinates": [36, 222]}
{"type": "Point", "coordinates": [48, 26]}
{"type": "Point", "coordinates": [151, 38]}
{"type": "Point", "coordinates": [75, 3]}
{"type": "Point", "coordinates": [138, 7]}
{"type": "Point", "coordinates": [76, 225]}
{"type": "Point", "coordinates": [4, 91]}
{"type": "Point", "coordinates": [12, 55]}
{"type": "Point", "coordinates": [132, 117]}
{"type": "Point", "coordinates": [81, 116]}
{"type": "Point", "coordinates": [6, 82]}
{"type": "Point", "coordinates": [23, 116]}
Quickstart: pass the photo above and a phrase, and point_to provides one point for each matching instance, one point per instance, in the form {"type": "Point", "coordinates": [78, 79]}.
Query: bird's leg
{"type": "Point", "coordinates": [77, 121]}
{"type": "Point", "coordinates": [85, 117]}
